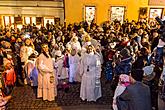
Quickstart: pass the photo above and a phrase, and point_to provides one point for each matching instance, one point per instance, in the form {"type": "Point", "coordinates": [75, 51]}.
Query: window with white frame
{"type": "Point", "coordinates": [155, 12]}
{"type": "Point", "coordinates": [12, 20]}
{"type": "Point", "coordinates": [90, 13]}
{"type": "Point", "coordinates": [49, 20]}
{"type": "Point", "coordinates": [34, 20]}
{"type": "Point", "coordinates": [117, 13]}
{"type": "Point", "coordinates": [27, 20]}
{"type": "Point", "coordinates": [6, 20]}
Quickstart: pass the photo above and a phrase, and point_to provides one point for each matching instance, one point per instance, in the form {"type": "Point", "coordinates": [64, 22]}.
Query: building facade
{"type": "Point", "coordinates": [21, 12]}
{"type": "Point", "coordinates": [104, 9]}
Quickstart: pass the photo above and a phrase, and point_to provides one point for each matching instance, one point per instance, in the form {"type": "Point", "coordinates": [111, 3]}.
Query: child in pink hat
{"type": "Point", "coordinates": [124, 81]}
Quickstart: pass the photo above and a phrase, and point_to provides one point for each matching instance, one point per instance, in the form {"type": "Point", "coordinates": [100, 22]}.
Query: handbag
{"type": "Point", "coordinates": [52, 79]}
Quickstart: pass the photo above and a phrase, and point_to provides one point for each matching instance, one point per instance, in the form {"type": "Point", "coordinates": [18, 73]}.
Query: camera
{"type": "Point", "coordinates": [161, 30]}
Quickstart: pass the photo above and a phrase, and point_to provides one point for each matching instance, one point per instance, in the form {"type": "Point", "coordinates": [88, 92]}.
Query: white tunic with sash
{"type": "Point", "coordinates": [91, 73]}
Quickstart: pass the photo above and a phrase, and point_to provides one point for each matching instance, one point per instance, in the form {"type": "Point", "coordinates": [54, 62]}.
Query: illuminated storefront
{"type": "Point", "coordinates": [29, 10]}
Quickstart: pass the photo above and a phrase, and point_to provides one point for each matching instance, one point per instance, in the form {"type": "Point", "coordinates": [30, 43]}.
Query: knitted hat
{"type": "Point", "coordinates": [124, 79]}
{"type": "Point", "coordinates": [148, 70]}
{"type": "Point", "coordinates": [149, 73]}
{"type": "Point", "coordinates": [125, 53]}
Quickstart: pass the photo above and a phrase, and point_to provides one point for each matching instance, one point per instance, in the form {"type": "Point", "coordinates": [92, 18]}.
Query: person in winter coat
{"type": "Point", "coordinates": [136, 96]}
{"type": "Point", "coordinates": [124, 81]}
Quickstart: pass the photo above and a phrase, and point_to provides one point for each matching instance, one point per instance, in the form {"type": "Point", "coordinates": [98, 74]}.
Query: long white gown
{"type": "Point", "coordinates": [59, 66]}
{"type": "Point", "coordinates": [73, 67]}
{"type": "Point", "coordinates": [91, 73]}
{"type": "Point", "coordinates": [119, 90]}
{"type": "Point", "coordinates": [46, 87]}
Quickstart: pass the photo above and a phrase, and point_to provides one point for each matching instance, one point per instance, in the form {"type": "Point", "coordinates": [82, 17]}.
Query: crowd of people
{"type": "Point", "coordinates": [55, 56]}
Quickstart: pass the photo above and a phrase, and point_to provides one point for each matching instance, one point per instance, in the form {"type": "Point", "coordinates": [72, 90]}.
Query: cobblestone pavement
{"type": "Point", "coordinates": [161, 104]}
{"type": "Point", "coordinates": [24, 99]}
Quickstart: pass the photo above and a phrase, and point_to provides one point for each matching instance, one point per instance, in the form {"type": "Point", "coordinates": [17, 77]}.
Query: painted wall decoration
{"type": "Point", "coordinates": [39, 20]}
{"type": "Point", "coordinates": [18, 20]}
{"type": "Point", "coordinates": [57, 21]}
{"type": "Point", "coordinates": [117, 13]}
{"type": "Point", "coordinates": [90, 12]}
{"type": "Point", "coordinates": [143, 14]}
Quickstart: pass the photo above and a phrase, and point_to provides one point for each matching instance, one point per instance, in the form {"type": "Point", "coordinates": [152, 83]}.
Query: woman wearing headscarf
{"type": "Point", "coordinates": [46, 76]}
{"type": "Point", "coordinates": [75, 44]}
{"type": "Point", "coordinates": [91, 72]}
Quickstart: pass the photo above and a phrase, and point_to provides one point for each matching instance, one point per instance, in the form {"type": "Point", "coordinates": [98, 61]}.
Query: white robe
{"type": "Point", "coordinates": [46, 89]}
{"type": "Point", "coordinates": [65, 70]}
{"type": "Point", "coordinates": [76, 45]}
{"type": "Point", "coordinates": [59, 66]}
{"type": "Point", "coordinates": [119, 90]}
{"type": "Point", "coordinates": [25, 52]}
{"type": "Point", "coordinates": [73, 67]}
{"type": "Point", "coordinates": [90, 84]}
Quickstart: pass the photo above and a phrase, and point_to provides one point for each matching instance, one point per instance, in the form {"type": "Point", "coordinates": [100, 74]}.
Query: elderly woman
{"type": "Point", "coordinates": [91, 72]}
{"type": "Point", "coordinates": [46, 76]}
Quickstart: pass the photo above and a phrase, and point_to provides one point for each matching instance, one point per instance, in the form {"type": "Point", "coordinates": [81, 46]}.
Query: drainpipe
{"type": "Point", "coordinates": [64, 13]}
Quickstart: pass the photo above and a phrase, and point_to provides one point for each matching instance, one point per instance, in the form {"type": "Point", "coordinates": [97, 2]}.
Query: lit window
{"type": "Point", "coordinates": [27, 20]}
{"type": "Point", "coordinates": [90, 13]}
{"type": "Point", "coordinates": [51, 21]}
{"type": "Point", "coordinates": [117, 13]}
{"type": "Point", "coordinates": [19, 26]}
{"type": "Point", "coordinates": [34, 20]}
{"type": "Point", "coordinates": [7, 21]}
{"type": "Point", "coordinates": [12, 20]}
{"type": "Point", "coordinates": [155, 12]}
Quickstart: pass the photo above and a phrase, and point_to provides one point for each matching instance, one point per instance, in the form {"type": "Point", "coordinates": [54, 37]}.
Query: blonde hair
{"type": "Point", "coordinates": [86, 36]}
{"type": "Point", "coordinates": [94, 50]}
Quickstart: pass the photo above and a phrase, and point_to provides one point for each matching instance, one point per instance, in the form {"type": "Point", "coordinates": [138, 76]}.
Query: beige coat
{"type": "Point", "coordinates": [46, 85]}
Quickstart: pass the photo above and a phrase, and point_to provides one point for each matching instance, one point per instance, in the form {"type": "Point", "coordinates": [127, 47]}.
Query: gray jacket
{"type": "Point", "coordinates": [135, 97]}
